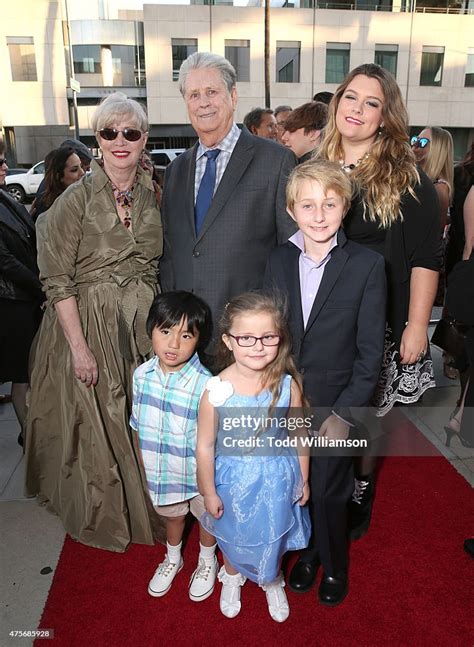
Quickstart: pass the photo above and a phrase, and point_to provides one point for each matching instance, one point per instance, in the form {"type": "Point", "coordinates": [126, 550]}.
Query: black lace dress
{"type": "Point", "coordinates": [412, 241]}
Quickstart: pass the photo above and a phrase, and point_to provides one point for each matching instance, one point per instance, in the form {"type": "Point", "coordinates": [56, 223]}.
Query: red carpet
{"type": "Point", "coordinates": [411, 584]}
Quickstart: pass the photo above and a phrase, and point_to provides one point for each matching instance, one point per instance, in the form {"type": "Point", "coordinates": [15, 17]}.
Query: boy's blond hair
{"type": "Point", "coordinates": [328, 174]}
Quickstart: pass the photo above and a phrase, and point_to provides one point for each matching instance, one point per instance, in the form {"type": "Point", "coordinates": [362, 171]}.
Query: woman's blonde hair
{"type": "Point", "coordinates": [116, 106]}
{"type": "Point", "coordinates": [439, 163]}
{"type": "Point", "coordinates": [329, 175]}
{"type": "Point", "coordinates": [275, 305]}
{"type": "Point", "coordinates": [389, 170]}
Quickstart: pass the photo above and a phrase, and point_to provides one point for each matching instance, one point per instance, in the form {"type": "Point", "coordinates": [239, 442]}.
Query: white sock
{"type": "Point", "coordinates": [174, 552]}
{"type": "Point", "coordinates": [206, 553]}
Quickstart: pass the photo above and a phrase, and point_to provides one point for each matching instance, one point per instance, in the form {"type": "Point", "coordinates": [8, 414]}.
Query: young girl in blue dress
{"type": "Point", "coordinates": [253, 492]}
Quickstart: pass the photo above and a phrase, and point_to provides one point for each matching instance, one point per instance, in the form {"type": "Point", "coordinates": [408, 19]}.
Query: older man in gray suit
{"type": "Point", "coordinates": [223, 205]}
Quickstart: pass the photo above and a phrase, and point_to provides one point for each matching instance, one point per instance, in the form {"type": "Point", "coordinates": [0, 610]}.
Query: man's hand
{"type": "Point", "coordinates": [334, 428]}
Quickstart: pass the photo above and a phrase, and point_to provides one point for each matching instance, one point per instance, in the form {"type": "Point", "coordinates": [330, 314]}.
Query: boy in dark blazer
{"type": "Point", "coordinates": [336, 295]}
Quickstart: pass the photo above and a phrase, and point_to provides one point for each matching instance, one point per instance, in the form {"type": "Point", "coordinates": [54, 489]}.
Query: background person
{"type": "Point", "coordinates": [98, 250]}
{"type": "Point", "coordinates": [262, 123]}
{"type": "Point", "coordinates": [460, 302]}
{"type": "Point", "coordinates": [281, 115]}
{"type": "Point", "coordinates": [303, 129]}
{"type": "Point", "coordinates": [20, 294]}
{"type": "Point", "coordinates": [394, 212]}
{"type": "Point", "coordinates": [459, 292]}
{"type": "Point", "coordinates": [461, 231]}
{"type": "Point", "coordinates": [63, 168]}
{"type": "Point", "coordinates": [323, 97]}
{"type": "Point", "coordinates": [433, 150]}
{"type": "Point", "coordinates": [84, 155]}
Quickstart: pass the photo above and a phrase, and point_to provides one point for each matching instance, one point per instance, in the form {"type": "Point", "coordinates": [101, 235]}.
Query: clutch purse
{"type": "Point", "coordinates": [449, 335]}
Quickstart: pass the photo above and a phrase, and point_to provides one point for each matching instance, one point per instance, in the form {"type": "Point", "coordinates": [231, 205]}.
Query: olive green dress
{"type": "Point", "coordinates": [80, 454]}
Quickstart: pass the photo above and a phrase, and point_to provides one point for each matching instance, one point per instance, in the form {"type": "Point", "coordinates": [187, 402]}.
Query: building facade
{"type": "Point", "coordinates": [430, 50]}
{"type": "Point", "coordinates": [311, 49]}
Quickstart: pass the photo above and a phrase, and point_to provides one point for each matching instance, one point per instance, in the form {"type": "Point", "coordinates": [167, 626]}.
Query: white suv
{"type": "Point", "coordinates": [25, 185]}
{"type": "Point", "coordinates": [161, 157]}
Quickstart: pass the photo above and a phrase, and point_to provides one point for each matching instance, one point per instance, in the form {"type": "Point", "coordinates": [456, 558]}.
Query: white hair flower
{"type": "Point", "coordinates": [219, 390]}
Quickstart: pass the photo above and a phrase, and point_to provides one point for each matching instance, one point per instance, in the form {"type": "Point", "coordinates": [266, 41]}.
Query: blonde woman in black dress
{"type": "Point", "coordinates": [396, 213]}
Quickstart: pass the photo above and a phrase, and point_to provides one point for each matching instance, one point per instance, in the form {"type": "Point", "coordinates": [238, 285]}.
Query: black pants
{"type": "Point", "coordinates": [331, 483]}
{"type": "Point", "coordinates": [467, 424]}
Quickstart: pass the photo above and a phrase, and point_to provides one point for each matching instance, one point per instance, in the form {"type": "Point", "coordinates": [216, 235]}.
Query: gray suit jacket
{"type": "Point", "coordinates": [246, 220]}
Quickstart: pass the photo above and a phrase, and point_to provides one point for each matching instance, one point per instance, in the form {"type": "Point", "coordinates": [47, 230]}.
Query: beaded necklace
{"type": "Point", "coordinates": [350, 167]}
{"type": "Point", "coordinates": [124, 199]}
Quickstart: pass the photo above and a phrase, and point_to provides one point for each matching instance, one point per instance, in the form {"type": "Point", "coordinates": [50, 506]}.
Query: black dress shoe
{"type": "Point", "coordinates": [469, 546]}
{"type": "Point", "coordinates": [333, 590]}
{"type": "Point", "coordinates": [360, 507]}
{"type": "Point", "coordinates": [302, 576]}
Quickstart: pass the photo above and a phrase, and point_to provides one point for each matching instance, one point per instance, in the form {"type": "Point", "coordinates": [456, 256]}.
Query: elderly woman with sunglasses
{"type": "Point", "coordinates": [98, 251]}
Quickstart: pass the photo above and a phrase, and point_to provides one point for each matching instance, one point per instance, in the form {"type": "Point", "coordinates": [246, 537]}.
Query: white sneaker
{"type": "Point", "coordinates": [163, 578]}
{"type": "Point", "coordinates": [230, 592]}
{"type": "Point", "coordinates": [202, 581]}
{"type": "Point", "coordinates": [276, 599]}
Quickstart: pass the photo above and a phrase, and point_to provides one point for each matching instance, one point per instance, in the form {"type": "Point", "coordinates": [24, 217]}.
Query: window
{"type": "Point", "coordinates": [432, 66]}
{"type": "Point", "coordinates": [123, 65]}
{"type": "Point", "coordinates": [387, 56]}
{"type": "Point", "coordinates": [182, 48]}
{"type": "Point", "coordinates": [238, 53]}
{"type": "Point", "coordinates": [337, 61]}
{"type": "Point", "coordinates": [116, 65]}
{"type": "Point", "coordinates": [288, 61]}
{"type": "Point", "coordinates": [22, 58]}
{"type": "Point", "coordinates": [86, 59]}
{"type": "Point", "coordinates": [469, 78]}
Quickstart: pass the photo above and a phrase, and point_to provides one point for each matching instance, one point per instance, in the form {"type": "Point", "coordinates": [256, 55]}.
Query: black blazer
{"type": "Point", "coordinates": [246, 220]}
{"type": "Point", "coordinates": [18, 268]}
{"type": "Point", "coordinates": [340, 351]}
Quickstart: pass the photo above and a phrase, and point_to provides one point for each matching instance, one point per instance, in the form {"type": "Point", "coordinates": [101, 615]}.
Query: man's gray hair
{"type": "Point", "coordinates": [200, 60]}
{"type": "Point", "coordinates": [282, 109]}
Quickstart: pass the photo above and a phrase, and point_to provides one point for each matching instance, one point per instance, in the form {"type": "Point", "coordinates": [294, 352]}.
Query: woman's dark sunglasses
{"type": "Point", "coordinates": [421, 142]}
{"type": "Point", "coordinates": [130, 134]}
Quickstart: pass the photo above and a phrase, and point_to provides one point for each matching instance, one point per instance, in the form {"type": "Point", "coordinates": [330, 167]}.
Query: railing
{"type": "Point", "coordinates": [362, 6]}
{"type": "Point", "coordinates": [372, 6]}
{"type": "Point", "coordinates": [444, 10]}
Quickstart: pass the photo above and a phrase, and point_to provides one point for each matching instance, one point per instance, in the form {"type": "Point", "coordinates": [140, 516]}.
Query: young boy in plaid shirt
{"type": "Point", "coordinates": [166, 394]}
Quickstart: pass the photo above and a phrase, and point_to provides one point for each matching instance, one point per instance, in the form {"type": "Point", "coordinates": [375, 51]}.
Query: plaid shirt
{"type": "Point", "coordinates": [164, 413]}
{"type": "Point", "coordinates": [226, 146]}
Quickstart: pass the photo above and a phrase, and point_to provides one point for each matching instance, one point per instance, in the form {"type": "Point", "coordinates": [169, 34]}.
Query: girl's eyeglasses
{"type": "Point", "coordinates": [130, 134]}
{"type": "Point", "coordinates": [419, 142]}
{"type": "Point", "coordinates": [2, 161]}
{"type": "Point", "coordinates": [249, 340]}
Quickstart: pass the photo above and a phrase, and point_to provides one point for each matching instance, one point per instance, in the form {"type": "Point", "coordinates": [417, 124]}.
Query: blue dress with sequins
{"type": "Point", "coordinates": [259, 489]}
